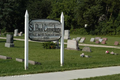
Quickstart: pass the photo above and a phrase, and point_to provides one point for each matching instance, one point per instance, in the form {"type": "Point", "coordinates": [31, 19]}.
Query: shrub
{"type": "Point", "coordinates": [49, 45]}
{"type": "Point", "coordinates": [80, 31]}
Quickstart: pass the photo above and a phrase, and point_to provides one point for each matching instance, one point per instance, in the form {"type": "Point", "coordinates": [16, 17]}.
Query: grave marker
{"type": "Point", "coordinates": [72, 45]}
{"type": "Point", "coordinates": [97, 38]}
{"type": "Point", "coordinates": [9, 41]}
{"type": "Point", "coordinates": [67, 34]}
{"type": "Point", "coordinates": [97, 42]}
{"type": "Point", "coordinates": [19, 60]}
{"type": "Point", "coordinates": [87, 49]}
{"type": "Point", "coordinates": [16, 32]}
{"type": "Point", "coordinates": [34, 62]}
{"type": "Point", "coordinates": [78, 38]}
{"type": "Point", "coordinates": [116, 43]}
{"type": "Point", "coordinates": [20, 34]}
{"type": "Point", "coordinates": [105, 39]}
{"type": "Point", "coordinates": [92, 39]}
{"type": "Point", "coordinates": [73, 39]}
{"type": "Point", "coordinates": [4, 57]}
{"type": "Point", "coordinates": [103, 42]}
{"type": "Point", "coordinates": [82, 40]}
{"type": "Point", "coordinates": [100, 40]}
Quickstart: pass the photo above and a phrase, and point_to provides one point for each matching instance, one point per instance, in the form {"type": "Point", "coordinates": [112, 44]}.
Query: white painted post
{"type": "Point", "coordinates": [26, 40]}
{"type": "Point", "coordinates": [62, 41]}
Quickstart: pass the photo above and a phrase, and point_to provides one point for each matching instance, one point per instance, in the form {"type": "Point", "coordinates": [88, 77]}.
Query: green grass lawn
{"type": "Point", "coordinates": [50, 59]}
{"type": "Point", "coordinates": [110, 77]}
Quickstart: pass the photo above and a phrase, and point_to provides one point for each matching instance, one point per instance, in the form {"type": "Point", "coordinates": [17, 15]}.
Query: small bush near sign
{"type": "Point", "coordinates": [49, 45]}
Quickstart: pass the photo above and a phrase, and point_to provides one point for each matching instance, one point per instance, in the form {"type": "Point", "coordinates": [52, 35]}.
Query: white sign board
{"type": "Point", "coordinates": [44, 30]}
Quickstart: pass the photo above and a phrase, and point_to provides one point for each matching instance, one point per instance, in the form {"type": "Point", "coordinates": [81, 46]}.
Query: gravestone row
{"type": "Point", "coordinates": [16, 33]}
{"type": "Point", "coordinates": [98, 40]}
{"type": "Point", "coordinates": [79, 39]}
{"type": "Point", "coordinates": [19, 60]}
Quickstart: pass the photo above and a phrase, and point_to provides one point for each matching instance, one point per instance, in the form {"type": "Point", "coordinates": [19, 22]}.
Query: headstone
{"type": "Point", "coordinates": [73, 39]}
{"type": "Point", "coordinates": [116, 43]}
{"type": "Point", "coordinates": [9, 41]}
{"type": "Point", "coordinates": [97, 38]}
{"type": "Point", "coordinates": [105, 39]}
{"type": "Point", "coordinates": [87, 49]}
{"type": "Point", "coordinates": [100, 40]}
{"type": "Point", "coordinates": [72, 45]}
{"type": "Point", "coordinates": [97, 42]}
{"type": "Point", "coordinates": [78, 38]}
{"type": "Point", "coordinates": [20, 34]}
{"type": "Point", "coordinates": [82, 40]}
{"type": "Point", "coordinates": [19, 60]}
{"type": "Point", "coordinates": [103, 42]}
{"type": "Point", "coordinates": [92, 39]}
{"type": "Point", "coordinates": [67, 34]}
{"type": "Point", "coordinates": [16, 32]}
{"type": "Point", "coordinates": [34, 62]}
{"type": "Point", "coordinates": [4, 57]}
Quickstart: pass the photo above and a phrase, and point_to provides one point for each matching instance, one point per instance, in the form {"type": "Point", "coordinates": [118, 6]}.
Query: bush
{"type": "Point", "coordinates": [5, 33]}
{"type": "Point", "coordinates": [80, 31]}
{"type": "Point", "coordinates": [49, 45]}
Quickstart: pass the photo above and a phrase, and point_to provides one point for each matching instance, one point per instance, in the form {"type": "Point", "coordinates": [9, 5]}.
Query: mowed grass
{"type": "Point", "coordinates": [109, 77]}
{"type": "Point", "coordinates": [50, 59]}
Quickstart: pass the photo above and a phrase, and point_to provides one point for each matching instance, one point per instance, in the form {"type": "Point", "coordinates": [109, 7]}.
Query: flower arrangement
{"type": "Point", "coordinates": [106, 52]}
{"type": "Point", "coordinates": [112, 52]}
{"type": "Point", "coordinates": [82, 55]}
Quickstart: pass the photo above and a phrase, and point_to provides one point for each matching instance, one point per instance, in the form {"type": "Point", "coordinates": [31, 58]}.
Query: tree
{"type": "Point", "coordinates": [39, 8]}
{"type": "Point", "coordinates": [67, 7]}
{"type": "Point", "coordinates": [11, 13]}
{"type": "Point", "coordinates": [88, 12]}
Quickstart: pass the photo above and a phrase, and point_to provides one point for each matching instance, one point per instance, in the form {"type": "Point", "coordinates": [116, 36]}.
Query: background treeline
{"type": "Point", "coordinates": [102, 16]}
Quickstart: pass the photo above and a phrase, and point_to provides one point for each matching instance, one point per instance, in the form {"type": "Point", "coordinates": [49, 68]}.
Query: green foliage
{"type": "Point", "coordinates": [49, 45]}
{"type": "Point", "coordinates": [77, 13]}
{"type": "Point", "coordinates": [80, 31]}
{"type": "Point", "coordinates": [38, 8]}
{"type": "Point", "coordinates": [11, 12]}
{"type": "Point", "coordinates": [67, 7]}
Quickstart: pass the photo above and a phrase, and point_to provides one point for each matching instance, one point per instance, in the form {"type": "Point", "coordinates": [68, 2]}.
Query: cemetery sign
{"type": "Point", "coordinates": [44, 30]}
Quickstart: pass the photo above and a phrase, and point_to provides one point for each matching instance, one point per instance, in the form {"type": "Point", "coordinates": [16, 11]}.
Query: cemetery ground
{"type": "Point", "coordinates": [50, 58]}
{"type": "Point", "coordinates": [109, 42]}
